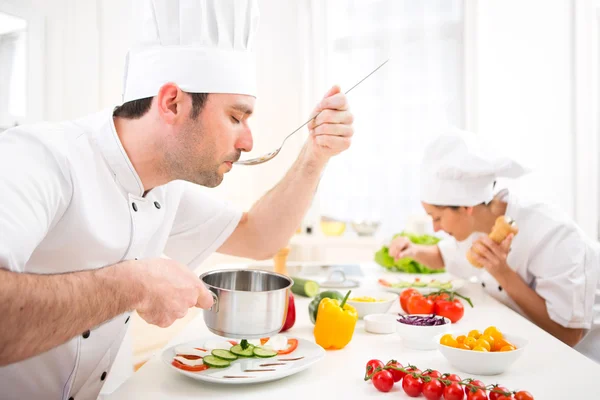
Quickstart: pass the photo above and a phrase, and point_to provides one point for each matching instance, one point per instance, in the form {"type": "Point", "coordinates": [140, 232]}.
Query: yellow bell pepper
{"type": "Point", "coordinates": [335, 323]}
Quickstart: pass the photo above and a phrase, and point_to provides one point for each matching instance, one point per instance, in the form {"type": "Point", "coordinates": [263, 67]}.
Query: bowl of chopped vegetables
{"type": "Point", "coordinates": [372, 302]}
{"type": "Point", "coordinates": [419, 331]}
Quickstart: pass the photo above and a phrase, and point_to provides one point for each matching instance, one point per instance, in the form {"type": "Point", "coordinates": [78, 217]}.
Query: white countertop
{"type": "Point", "coordinates": [548, 369]}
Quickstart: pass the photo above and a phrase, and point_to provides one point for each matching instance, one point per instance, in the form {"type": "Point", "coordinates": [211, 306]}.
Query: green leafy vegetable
{"type": "Point", "coordinates": [407, 265]}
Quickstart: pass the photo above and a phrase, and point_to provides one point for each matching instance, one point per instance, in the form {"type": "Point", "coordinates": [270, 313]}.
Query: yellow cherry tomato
{"type": "Point", "coordinates": [461, 338]}
{"type": "Point", "coordinates": [508, 348]}
{"type": "Point", "coordinates": [499, 344]}
{"type": "Point", "coordinates": [493, 332]}
{"type": "Point", "coordinates": [488, 339]}
{"type": "Point", "coordinates": [483, 343]}
{"type": "Point", "coordinates": [480, 348]}
{"type": "Point", "coordinates": [448, 340]}
{"type": "Point", "coordinates": [462, 346]}
{"type": "Point", "coordinates": [471, 342]}
{"type": "Point", "coordinates": [474, 334]}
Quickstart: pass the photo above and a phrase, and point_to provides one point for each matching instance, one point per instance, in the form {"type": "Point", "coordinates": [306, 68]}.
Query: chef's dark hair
{"type": "Point", "coordinates": [138, 108]}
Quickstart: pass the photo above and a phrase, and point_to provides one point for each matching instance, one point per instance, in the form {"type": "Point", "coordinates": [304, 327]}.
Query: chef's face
{"type": "Point", "coordinates": [455, 221]}
{"type": "Point", "coordinates": [210, 143]}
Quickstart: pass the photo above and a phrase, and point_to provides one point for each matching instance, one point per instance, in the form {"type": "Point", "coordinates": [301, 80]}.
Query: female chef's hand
{"type": "Point", "coordinates": [493, 255]}
{"type": "Point", "coordinates": [402, 247]}
{"type": "Point", "coordinates": [168, 290]}
{"type": "Point", "coordinates": [331, 130]}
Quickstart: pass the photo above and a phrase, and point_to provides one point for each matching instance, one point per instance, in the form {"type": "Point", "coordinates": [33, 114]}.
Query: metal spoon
{"type": "Point", "coordinates": [271, 155]}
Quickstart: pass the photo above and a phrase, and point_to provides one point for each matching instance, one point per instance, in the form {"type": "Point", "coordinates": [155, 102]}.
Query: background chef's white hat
{"type": "Point", "coordinates": [459, 169]}
{"type": "Point", "coordinates": [203, 46]}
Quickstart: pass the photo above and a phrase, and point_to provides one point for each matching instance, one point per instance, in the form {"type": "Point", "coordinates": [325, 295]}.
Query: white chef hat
{"type": "Point", "coordinates": [460, 168]}
{"type": "Point", "coordinates": [203, 46]}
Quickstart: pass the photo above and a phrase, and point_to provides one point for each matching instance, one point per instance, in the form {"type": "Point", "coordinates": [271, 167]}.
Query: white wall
{"type": "Point", "coordinates": [524, 90]}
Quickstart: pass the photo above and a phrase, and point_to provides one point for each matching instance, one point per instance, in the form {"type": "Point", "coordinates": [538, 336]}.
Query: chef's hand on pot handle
{"type": "Point", "coordinates": [401, 247]}
{"type": "Point", "coordinates": [168, 290]}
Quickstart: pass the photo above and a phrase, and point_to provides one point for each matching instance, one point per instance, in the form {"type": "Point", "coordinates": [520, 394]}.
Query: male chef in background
{"type": "Point", "coordinates": [88, 206]}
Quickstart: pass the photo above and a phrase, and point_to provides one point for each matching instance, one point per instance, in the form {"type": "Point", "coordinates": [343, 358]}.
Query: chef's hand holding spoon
{"type": "Point", "coordinates": [331, 130]}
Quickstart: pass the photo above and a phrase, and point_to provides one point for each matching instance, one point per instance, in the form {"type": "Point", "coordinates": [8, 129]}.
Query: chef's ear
{"type": "Point", "coordinates": [170, 102]}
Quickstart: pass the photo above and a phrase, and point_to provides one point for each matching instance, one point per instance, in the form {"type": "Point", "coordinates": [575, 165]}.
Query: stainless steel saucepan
{"type": "Point", "coordinates": [248, 304]}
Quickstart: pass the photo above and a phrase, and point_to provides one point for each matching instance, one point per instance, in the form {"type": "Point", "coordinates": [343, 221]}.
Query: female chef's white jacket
{"type": "Point", "coordinates": [71, 200]}
{"type": "Point", "coordinates": [555, 258]}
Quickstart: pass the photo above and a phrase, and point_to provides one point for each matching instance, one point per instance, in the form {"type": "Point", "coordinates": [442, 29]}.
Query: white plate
{"type": "Point", "coordinates": [456, 285]}
{"type": "Point", "coordinates": [311, 352]}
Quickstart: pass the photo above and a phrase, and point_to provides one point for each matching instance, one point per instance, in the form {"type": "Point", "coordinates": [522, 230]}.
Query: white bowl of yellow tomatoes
{"type": "Point", "coordinates": [490, 352]}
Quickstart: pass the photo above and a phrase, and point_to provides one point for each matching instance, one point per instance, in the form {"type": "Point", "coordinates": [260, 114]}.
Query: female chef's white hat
{"type": "Point", "coordinates": [203, 46]}
{"type": "Point", "coordinates": [459, 169]}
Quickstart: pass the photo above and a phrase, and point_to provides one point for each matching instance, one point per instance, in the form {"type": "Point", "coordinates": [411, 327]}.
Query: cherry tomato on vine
{"type": "Point", "coordinates": [412, 386]}
{"type": "Point", "coordinates": [397, 375]}
{"type": "Point", "coordinates": [383, 381]}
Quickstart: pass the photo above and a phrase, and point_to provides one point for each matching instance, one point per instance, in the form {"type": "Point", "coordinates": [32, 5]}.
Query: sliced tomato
{"type": "Point", "coordinates": [201, 349]}
{"type": "Point", "coordinates": [184, 367]}
{"type": "Point", "coordinates": [233, 343]}
{"type": "Point", "coordinates": [383, 282]}
{"type": "Point", "coordinates": [189, 357]}
{"type": "Point", "coordinates": [292, 345]}
{"type": "Point", "coordinates": [263, 341]}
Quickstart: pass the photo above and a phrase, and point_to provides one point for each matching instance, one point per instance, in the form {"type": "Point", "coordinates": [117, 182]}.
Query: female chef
{"type": "Point", "coordinates": [548, 271]}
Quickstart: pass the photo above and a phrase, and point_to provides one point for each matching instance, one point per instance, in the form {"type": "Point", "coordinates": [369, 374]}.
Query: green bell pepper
{"type": "Point", "coordinates": [313, 307]}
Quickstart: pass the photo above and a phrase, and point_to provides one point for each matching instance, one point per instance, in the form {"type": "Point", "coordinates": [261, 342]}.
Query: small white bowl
{"type": "Point", "coordinates": [380, 307]}
{"type": "Point", "coordinates": [380, 323]}
{"type": "Point", "coordinates": [482, 363]}
{"type": "Point", "coordinates": [422, 337]}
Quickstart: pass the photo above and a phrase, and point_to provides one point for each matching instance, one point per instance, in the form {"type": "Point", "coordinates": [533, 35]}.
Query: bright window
{"type": "Point", "coordinates": [397, 110]}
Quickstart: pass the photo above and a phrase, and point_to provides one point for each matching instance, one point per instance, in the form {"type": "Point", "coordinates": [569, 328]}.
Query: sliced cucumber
{"type": "Point", "coordinates": [215, 362]}
{"type": "Point", "coordinates": [305, 287]}
{"type": "Point", "coordinates": [238, 351]}
{"type": "Point", "coordinates": [224, 354]}
{"type": "Point", "coordinates": [264, 353]}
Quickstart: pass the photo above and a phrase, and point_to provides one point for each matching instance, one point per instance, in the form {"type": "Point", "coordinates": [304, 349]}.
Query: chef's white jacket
{"type": "Point", "coordinates": [554, 257]}
{"type": "Point", "coordinates": [71, 200]}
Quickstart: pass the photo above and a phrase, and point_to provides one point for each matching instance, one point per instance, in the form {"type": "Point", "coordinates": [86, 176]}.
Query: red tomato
{"type": "Point", "coordinates": [496, 392]}
{"type": "Point", "coordinates": [451, 377]}
{"type": "Point", "coordinates": [383, 381]}
{"type": "Point", "coordinates": [453, 310]}
{"type": "Point", "coordinates": [419, 305]}
{"type": "Point", "coordinates": [523, 395]}
{"type": "Point", "coordinates": [406, 294]}
{"type": "Point", "coordinates": [433, 390]}
{"type": "Point", "coordinates": [292, 345]}
{"type": "Point", "coordinates": [372, 365]}
{"type": "Point", "coordinates": [397, 375]}
{"type": "Point", "coordinates": [476, 383]}
{"type": "Point", "coordinates": [412, 386]}
{"type": "Point", "coordinates": [188, 357]}
{"type": "Point", "coordinates": [454, 392]}
{"type": "Point", "coordinates": [506, 398]}
{"type": "Point", "coordinates": [185, 367]}
{"type": "Point", "coordinates": [432, 373]}
{"type": "Point", "coordinates": [414, 370]}
{"type": "Point", "coordinates": [441, 296]}
{"type": "Point", "coordinates": [477, 395]}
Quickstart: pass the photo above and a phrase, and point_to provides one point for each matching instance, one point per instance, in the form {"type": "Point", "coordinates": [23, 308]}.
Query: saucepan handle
{"type": "Point", "coordinates": [215, 306]}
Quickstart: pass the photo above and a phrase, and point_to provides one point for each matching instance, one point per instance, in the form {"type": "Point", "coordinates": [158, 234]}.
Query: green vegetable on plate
{"type": "Point", "coordinates": [407, 265]}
